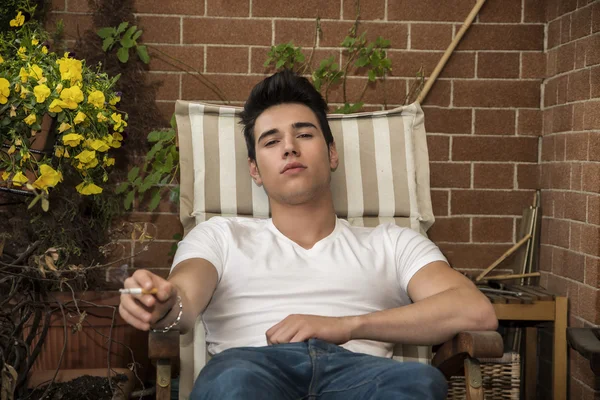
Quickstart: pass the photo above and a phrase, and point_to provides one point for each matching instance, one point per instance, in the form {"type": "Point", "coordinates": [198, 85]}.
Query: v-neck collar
{"type": "Point", "coordinates": [319, 245]}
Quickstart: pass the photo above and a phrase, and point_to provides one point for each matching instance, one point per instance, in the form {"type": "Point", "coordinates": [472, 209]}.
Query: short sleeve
{"type": "Point", "coordinates": [413, 251]}
{"type": "Point", "coordinates": [208, 240]}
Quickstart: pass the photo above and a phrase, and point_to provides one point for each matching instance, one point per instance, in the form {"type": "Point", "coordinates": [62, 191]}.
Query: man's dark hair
{"type": "Point", "coordinates": [281, 88]}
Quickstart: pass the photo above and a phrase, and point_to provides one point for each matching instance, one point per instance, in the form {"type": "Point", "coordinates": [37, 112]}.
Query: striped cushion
{"type": "Point", "coordinates": [383, 176]}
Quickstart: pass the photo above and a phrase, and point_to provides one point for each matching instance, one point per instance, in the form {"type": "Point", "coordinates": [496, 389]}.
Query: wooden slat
{"type": "Point", "coordinates": [539, 311]}
{"type": "Point", "coordinates": [559, 355]}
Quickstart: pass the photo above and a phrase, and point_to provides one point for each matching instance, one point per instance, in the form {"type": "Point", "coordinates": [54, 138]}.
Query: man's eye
{"type": "Point", "coordinates": [270, 142]}
{"type": "Point", "coordinates": [305, 135]}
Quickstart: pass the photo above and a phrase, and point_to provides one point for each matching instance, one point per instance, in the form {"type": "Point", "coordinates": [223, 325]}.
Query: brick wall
{"type": "Point", "coordinates": [570, 170]}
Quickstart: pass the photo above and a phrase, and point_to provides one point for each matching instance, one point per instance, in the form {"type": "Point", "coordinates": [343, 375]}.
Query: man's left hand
{"type": "Point", "coordinates": [301, 327]}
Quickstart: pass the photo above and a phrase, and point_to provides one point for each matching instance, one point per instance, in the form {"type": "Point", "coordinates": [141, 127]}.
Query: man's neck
{"type": "Point", "coordinates": [305, 224]}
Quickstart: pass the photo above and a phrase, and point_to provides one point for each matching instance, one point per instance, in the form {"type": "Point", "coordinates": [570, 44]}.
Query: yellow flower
{"type": "Point", "coordinates": [86, 156]}
{"type": "Point", "coordinates": [114, 100]}
{"type": "Point", "coordinates": [12, 149]}
{"type": "Point", "coordinates": [59, 88]}
{"type": "Point", "coordinates": [57, 106]}
{"type": "Point", "coordinates": [35, 42]}
{"type": "Point", "coordinates": [79, 118]}
{"type": "Point", "coordinates": [24, 75]}
{"type": "Point", "coordinates": [24, 93]}
{"type": "Point", "coordinates": [5, 175]}
{"type": "Point", "coordinates": [109, 161]}
{"type": "Point", "coordinates": [117, 136]}
{"type": "Point", "coordinates": [36, 72]}
{"type": "Point", "coordinates": [97, 99]}
{"type": "Point", "coordinates": [48, 178]}
{"type": "Point", "coordinates": [63, 127]}
{"type": "Point", "coordinates": [21, 52]}
{"type": "Point", "coordinates": [44, 50]}
{"type": "Point", "coordinates": [70, 69]}
{"type": "Point", "coordinates": [13, 110]}
{"type": "Point", "coordinates": [72, 97]}
{"type": "Point", "coordinates": [59, 151]}
{"type": "Point", "coordinates": [24, 156]}
{"type": "Point", "coordinates": [30, 119]}
{"type": "Point", "coordinates": [1, 60]}
{"type": "Point", "coordinates": [18, 21]}
{"type": "Point", "coordinates": [101, 117]}
{"type": "Point", "coordinates": [4, 90]}
{"type": "Point", "coordinates": [72, 139]}
{"type": "Point", "coordinates": [19, 179]}
{"type": "Point", "coordinates": [88, 188]}
{"type": "Point", "coordinates": [98, 144]}
{"type": "Point", "coordinates": [119, 123]}
{"type": "Point", "coordinates": [41, 93]}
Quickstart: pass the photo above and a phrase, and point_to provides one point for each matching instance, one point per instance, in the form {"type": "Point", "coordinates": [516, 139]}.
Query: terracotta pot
{"type": "Point", "coordinates": [88, 347]}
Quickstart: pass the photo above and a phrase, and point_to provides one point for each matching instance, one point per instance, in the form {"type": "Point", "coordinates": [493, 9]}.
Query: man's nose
{"type": "Point", "coordinates": [290, 148]}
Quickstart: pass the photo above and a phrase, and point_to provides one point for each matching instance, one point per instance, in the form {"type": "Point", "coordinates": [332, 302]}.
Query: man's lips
{"type": "Point", "coordinates": [293, 165]}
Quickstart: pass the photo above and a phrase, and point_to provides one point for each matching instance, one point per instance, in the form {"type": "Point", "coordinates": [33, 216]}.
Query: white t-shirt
{"type": "Point", "coordinates": [263, 276]}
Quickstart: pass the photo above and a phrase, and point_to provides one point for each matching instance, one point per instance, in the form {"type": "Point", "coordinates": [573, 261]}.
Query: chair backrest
{"type": "Point", "coordinates": [383, 176]}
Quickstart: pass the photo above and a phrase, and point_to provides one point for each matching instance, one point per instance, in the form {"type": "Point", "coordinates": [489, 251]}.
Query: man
{"type": "Point", "coordinates": [303, 305]}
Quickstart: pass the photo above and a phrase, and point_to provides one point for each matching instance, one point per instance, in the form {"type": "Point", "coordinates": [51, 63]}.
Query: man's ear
{"type": "Point", "coordinates": [333, 156]}
{"type": "Point", "coordinates": [254, 172]}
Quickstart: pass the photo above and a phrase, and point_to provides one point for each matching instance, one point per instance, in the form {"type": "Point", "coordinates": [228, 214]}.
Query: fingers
{"type": "Point", "coordinates": [132, 320]}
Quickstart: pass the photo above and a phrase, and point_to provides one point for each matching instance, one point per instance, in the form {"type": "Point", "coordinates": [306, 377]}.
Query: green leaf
{"type": "Point", "coordinates": [174, 195]}
{"type": "Point", "coordinates": [153, 150]}
{"type": "Point", "coordinates": [106, 32]}
{"type": "Point", "coordinates": [173, 121]}
{"type": "Point", "coordinates": [123, 54]}
{"type": "Point", "coordinates": [372, 75]}
{"type": "Point", "coordinates": [127, 43]}
{"type": "Point", "coordinates": [34, 201]}
{"type": "Point", "coordinates": [122, 27]}
{"type": "Point", "coordinates": [142, 52]}
{"type": "Point", "coordinates": [45, 204]}
{"type": "Point", "coordinates": [122, 187]}
{"type": "Point", "coordinates": [137, 181]}
{"type": "Point", "coordinates": [137, 35]}
{"type": "Point", "coordinates": [129, 199]}
{"type": "Point", "coordinates": [129, 32]}
{"type": "Point", "coordinates": [153, 136]}
{"type": "Point", "coordinates": [280, 64]}
{"type": "Point", "coordinates": [155, 200]}
{"type": "Point", "coordinates": [107, 43]}
{"type": "Point", "coordinates": [169, 162]}
{"type": "Point", "coordinates": [133, 173]}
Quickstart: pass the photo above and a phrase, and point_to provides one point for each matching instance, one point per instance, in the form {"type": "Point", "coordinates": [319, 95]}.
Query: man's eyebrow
{"type": "Point", "coordinates": [295, 125]}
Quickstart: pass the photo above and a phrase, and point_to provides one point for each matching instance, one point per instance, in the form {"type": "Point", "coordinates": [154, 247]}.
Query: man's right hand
{"type": "Point", "coordinates": [144, 310]}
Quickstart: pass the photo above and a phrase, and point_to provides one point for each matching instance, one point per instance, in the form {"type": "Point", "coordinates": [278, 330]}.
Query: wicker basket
{"type": "Point", "coordinates": [501, 379]}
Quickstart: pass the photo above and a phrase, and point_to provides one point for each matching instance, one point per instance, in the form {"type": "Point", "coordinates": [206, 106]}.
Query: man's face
{"type": "Point", "coordinates": [292, 159]}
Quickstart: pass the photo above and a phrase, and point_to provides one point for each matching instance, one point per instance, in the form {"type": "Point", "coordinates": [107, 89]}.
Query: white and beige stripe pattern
{"type": "Point", "coordinates": [383, 176]}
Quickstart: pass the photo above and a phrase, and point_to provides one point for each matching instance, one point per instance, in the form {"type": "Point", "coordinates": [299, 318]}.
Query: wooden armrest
{"type": "Point", "coordinates": [587, 343]}
{"type": "Point", "coordinates": [163, 345]}
{"type": "Point", "coordinates": [450, 356]}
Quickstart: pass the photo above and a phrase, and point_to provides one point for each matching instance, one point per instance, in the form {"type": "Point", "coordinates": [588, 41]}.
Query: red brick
{"type": "Point", "coordinates": [545, 258]}
{"type": "Point", "coordinates": [374, 93]}
{"type": "Point", "coordinates": [562, 83]}
{"type": "Point", "coordinates": [566, 6]}
{"type": "Point", "coordinates": [472, 256]}
{"type": "Point", "coordinates": [563, 118]}
{"type": "Point", "coordinates": [428, 10]}
{"type": "Point", "coordinates": [172, 58]}
{"type": "Point", "coordinates": [304, 9]}
{"type": "Point", "coordinates": [493, 230]}
{"type": "Point", "coordinates": [558, 235]}
{"type": "Point", "coordinates": [498, 65]}
{"type": "Point", "coordinates": [226, 8]}
{"type": "Point", "coordinates": [579, 85]}
{"type": "Point", "coordinates": [528, 176]}
{"type": "Point", "coordinates": [533, 65]}
{"type": "Point", "coordinates": [522, 149]}
{"type": "Point", "coordinates": [79, 6]}
{"type": "Point", "coordinates": [503, 37]}
{"type": "Point", "coordinates": [407, 63]}
{"type": "Point", "coordinates": [591, 177]}
{"type": "Point", "coordinates": [167, 85]}
{"type": "Point", "coordinates": [565, 60]}
{"type": "Point", "coordinates": [576, 175]}
{"type": "Point", "coordinates": [577, 146]}
{"type": "Point", "coordinates": [548, 148]}
{"type": "Point", "coordinates": [578, 116]}
{"type": "Point", "coordinates": [157, 255]}
{"type": "Point", "coordinates": [494, 176]}
{"type": "Point", "coordinates": [450, 229]}
{"type": "Point", "coordinates": [218, 31]}
{"type": "Point", "coordinates": [74, 24]}
{"type": "Point", "coordinates": [496, 93]}
{"type": "Point", "coordinates": [57, 5]}
{"type": "Point", "coordinates": [260, 55]}
{"type": "Point", "coordinates": [450, 175]}
{"type": "Point", "coordinates": [165, 205]}
{"type": "Point", "coordinates": [575, 206]}
{"type": "Point", "coordinates": [588, 307]}
{"type": "Point", "coordinates": [560, 178]}
{"type": "Point", "coordinates": [575, 237]}
{"type": "Point", "coordinates": [529, 122]}
{"type": "Point", "coordinates": [160, 29]}
{"type": "Point", "coordinates": [565, 29]}
{"type": "Point", "coordinates": [234, 87]}
{"type": "Point", "coordinates": [489, 202]}
{"type": "Point", "coordinates": [592, 55]}
{"type": "Point", "coordinates": [504, 11]}
{"type": "Point", "coordinates": [439, 201]}
{"type": "Point", "coordinates": [447, 120]}
{"type": "Point", "coordinates": [165, 111]}
{"type": "Point", "coordinates": [159, 226]}
{"type": "Point", "coordinates": [581, 24]}
{"type": "Point", "coordinates": [553, 34]}
{"type": "Point", "coordinates": [495, 122]}
{"type": "Point", "coordinates": [430, 36]}
{"type": "Point", "coordinates": [369, 10]}
{"type": "Point", "coordinates": [439, 95]}
{"type": "Point", "coordinates": [592, 115]}
{"type": "Point", "coordinates": [580, 50]}
{"type": "Point", "coordinates": [594, 146]}
{"type": "Point", "coordinates": [592, 271]}
{"type": "Point", "coordinates": [185, 8]}
{"type": "Point", "coordinates": [227, 59]}
{"type": "Point", "coordinates": [595, 17]}
{"type": "Point", "coordinates": [595, 82]}
{"type": "Point", "coordinates": [535, 11]}
{"type": "Point", "coordinates": [569, 264]}
{"type": "Point", "coordinates": [551, 92]}
{"type": "Point", "coordinates": [551, 62]}
{"type": "Point", "coordinates": [590, 240]}
{"type": "Point", "coordinates": [334, 33]}
{"type": "Point", "coordinates": [552, 9]}
{"type": "Point", "coordinates": [438, 147]}
{"type": "Point", "coordinates": [300, 33]}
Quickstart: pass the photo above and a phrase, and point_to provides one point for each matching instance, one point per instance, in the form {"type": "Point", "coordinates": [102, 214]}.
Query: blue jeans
{"type": "Point", "coordinates": [314, 370]}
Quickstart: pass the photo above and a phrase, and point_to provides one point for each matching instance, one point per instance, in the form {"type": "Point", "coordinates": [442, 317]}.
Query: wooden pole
{"type": "Point", "coordinates": [449, 50]}
{"type": "Point", "coordinates": [511, 276]}
{"type": "Point", "coordinates": [503, 257]}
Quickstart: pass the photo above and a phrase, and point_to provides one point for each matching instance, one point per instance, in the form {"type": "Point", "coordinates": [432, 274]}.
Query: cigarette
{"type": "Point", "coordinates": [138, 291]}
